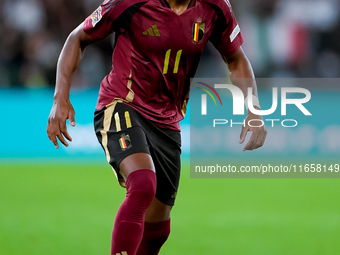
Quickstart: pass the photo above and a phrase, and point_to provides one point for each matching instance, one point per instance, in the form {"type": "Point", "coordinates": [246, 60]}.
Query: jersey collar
{"type": "Point", "coordinates": [166, 4]}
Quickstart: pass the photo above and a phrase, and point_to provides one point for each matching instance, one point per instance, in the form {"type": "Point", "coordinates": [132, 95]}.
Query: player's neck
{"type": "Point", "coordinates": [178, 6]}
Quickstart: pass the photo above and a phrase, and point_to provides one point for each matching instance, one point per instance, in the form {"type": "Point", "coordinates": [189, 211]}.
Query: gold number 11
{"type": "Point", "coordinates": [167, 58]}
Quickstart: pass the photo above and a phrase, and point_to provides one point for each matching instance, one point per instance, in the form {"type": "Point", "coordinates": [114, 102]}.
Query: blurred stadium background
{"type": "Point", "coordinates": [63, 201]}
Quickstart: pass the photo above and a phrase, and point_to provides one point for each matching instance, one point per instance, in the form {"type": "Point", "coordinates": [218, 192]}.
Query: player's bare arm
{"type": "Point", "coordinates": [62, 109]}
{"type": "Point", "coordinates": [239, 67]}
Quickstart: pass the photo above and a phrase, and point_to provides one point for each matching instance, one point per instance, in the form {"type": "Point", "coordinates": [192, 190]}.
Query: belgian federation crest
{"type": "Point", "coordinates": [198, 31]}
{"type": "Point", "coordinates": [125, 142]}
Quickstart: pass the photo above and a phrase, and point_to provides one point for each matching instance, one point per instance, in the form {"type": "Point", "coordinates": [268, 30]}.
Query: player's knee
{"type": "Point", "coordinates": [141, 185]}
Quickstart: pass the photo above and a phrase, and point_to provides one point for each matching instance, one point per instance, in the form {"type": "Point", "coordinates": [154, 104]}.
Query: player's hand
{"type": "Point", "coordinates": [258, 135]}
{"type": "Point", "coordinates": [61, 111]}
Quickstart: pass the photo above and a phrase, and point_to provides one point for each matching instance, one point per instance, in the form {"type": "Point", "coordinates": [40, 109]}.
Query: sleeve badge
{"type": "Point", "coordinates": [236, 31]}
{"type": "Point", "coordinates": [96, 16]}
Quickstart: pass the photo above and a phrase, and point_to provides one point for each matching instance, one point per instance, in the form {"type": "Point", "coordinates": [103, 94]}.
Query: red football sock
{"type": "Point", "coordinates": [155, 235]}
{"type": "Point", "coordinates": [129, 223]}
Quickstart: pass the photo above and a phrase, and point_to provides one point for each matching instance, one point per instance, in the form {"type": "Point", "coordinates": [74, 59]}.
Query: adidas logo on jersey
{"type": "Point", "coordinates": [122, 253]}
{"type": "Point", "coordinates": [153, 31]}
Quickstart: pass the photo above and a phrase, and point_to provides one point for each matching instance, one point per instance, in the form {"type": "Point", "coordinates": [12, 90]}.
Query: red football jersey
{"type": "Point", "coordinates": [157, 51]}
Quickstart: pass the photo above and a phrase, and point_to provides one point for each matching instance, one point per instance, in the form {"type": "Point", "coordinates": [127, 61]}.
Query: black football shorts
{"type": "Point", "coordinates": [123, 131]}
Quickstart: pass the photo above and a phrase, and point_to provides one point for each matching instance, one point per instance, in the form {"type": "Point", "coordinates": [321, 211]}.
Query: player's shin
{"type": "Point", "coordinates": [155, 235]}
{"type": "Point", "coordinates": [129, 223]}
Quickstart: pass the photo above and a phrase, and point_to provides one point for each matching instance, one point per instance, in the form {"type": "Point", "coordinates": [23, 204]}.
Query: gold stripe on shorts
{"type": "Point", "coordinates": [106, 127]}
{"type": "Point", "coordinates": [108, 115]}
{"type": "Point", "coordinates": [117, 120]}
{"type": "Point", "coordinates": [128, 119]}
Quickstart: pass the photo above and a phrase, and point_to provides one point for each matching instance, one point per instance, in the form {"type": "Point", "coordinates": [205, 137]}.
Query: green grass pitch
{"type": "Point", "coordinates": [69, 209]}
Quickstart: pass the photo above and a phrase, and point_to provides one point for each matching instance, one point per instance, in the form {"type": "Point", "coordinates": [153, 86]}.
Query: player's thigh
{"type": "Point", "coordinates": [135, 162]}
{"type": "Point", "coordinates": [122, 137]}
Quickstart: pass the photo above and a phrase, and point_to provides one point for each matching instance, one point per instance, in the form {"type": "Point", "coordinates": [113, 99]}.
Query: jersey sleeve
{"type": "Point", "coordinates": [226, 37]}
{"type": "Point", "coordinates": [107, 18]}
